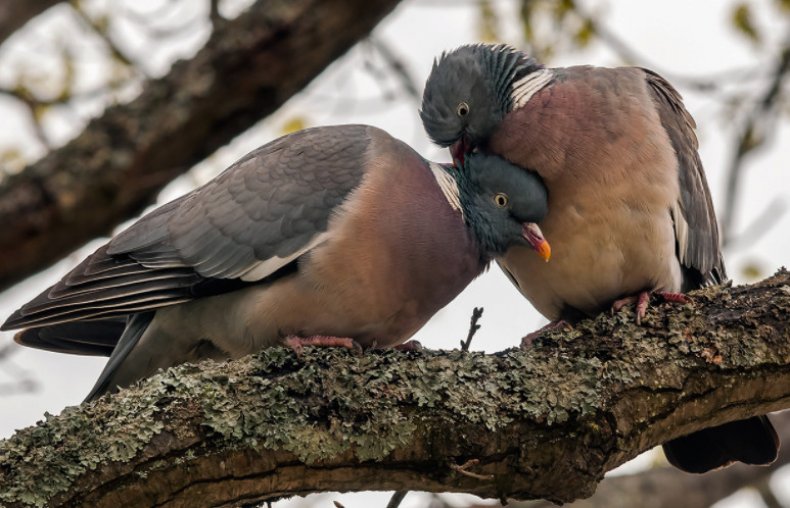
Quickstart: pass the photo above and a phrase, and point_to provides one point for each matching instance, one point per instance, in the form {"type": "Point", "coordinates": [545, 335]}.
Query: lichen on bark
{"type": "Point", "coordinates": [547, 422]}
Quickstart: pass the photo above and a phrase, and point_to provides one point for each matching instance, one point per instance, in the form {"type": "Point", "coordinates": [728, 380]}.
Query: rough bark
{"type": "Point", "coordinates": [248, 68]}
{"type": "Point", "coordinates": [543, 423]}
{"type": "Point", "coordinates": [15, 13]}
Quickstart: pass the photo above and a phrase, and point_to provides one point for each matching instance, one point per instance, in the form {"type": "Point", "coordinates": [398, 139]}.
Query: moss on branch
{"type": "Point", "coordinates": [546, 423]}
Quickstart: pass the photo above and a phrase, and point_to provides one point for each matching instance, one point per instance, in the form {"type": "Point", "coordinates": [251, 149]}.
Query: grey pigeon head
{"type": "Point", "coordinates": [502, 203]}
{"type": "Point", "coordinates": [468, 92]}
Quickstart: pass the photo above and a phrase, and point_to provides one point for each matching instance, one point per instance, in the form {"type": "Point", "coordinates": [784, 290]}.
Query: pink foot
{"type": "Point", "coordinates": [642, 301]}
{"type": "Point", "coordinates": [528, 339]}
{"type": "Point", "coordinates": [299, 343]}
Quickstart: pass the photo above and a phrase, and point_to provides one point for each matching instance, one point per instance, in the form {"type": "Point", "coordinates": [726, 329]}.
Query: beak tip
{"type": "Point", "coordinates": [544, 249]}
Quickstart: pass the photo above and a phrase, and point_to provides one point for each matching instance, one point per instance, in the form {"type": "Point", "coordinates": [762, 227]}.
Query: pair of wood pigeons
{"type": "Point", "coordinates": [345, 235]}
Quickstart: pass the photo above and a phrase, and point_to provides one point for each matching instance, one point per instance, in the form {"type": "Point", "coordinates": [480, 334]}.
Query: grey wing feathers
{"type": "Point", "coordinates": [252, 220]}
{"type": "Point", "coordinates": [696, 228]}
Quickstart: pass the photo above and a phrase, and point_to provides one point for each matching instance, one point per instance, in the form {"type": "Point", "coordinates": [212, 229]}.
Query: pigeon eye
{"type": "Point", "coordinates": [501, 200]}
{"type": "Point", "coordinates": [463, 109]}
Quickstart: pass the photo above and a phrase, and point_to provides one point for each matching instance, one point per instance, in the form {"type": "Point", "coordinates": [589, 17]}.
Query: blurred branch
{"type": "Point", "coordinates": [15, 13]}
{"type": "Point", "coordinates": [102, 30]}
{"type": "Point", "coordinates": [23, 382]}
{"type": "Point", "coordinates": [249, 67]}
{"type": "Point", "coordinates": [755, 131]}
{"type": "Point", "coordinates": [408, 83]}
{"type": "Point", "coordinates": [546, 422]}
{"type": "Point", "coordinates": [763, 223]}
{"type": "Point", "coordinates": [632, 57]}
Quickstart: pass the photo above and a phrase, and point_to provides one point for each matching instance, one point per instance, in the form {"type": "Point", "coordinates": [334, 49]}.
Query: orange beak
{"type": "Point", "coordinates": [534, 236]}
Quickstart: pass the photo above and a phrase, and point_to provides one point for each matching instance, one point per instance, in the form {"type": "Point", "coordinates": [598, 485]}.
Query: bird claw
{"type": "Point", "coordinates": [642, 301]}
{"type": "Point", "coordinates": [670, 297]}
{"type": "Point", "coordinates": [297, 344]}
{"type": "Point", "coordinates": [528, 339]}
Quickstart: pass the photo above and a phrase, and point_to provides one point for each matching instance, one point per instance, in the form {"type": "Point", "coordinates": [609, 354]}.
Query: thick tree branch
{"type": "Point", "coordinates": [248, 69]}
{"type": "Point", "coordinates": [546, 423]}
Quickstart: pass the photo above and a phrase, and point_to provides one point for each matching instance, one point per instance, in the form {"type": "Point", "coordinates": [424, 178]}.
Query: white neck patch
{"type": "Point", "coordinates": [529, 85]}
{"type": "Point", "coordinates": [448, 185]}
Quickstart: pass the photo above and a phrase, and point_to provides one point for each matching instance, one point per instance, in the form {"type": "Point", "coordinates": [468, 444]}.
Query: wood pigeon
{"type": "Point", "coordinates": [630, 212]}
{"type": "Point", "coordinates": [330, 236]}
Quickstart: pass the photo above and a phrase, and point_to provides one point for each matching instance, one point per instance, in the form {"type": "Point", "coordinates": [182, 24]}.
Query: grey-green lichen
{"type": "Point", "coordinates": [332, 402]}
{"type": "Point", "coordinates": [317, 406]}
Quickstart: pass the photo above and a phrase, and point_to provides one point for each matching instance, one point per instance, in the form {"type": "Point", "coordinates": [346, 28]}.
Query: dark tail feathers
{"type": "Point", "coordinates": [751, 441]}
{"type": "Point", "coordinates": [93, 338]}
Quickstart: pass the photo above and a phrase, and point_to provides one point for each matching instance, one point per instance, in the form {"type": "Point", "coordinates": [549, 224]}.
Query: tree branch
{"type": "Point", "coordinates": [546, 423]}
{"type": "Point", "coordinates": [247, 70]}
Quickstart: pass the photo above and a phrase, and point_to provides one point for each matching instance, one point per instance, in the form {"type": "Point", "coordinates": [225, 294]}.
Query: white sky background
{"type": "Point", "coordinates": [681, 37]}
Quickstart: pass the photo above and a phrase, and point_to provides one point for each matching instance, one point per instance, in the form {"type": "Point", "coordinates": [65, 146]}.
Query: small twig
{"type": "Point", "coordinates": [397, 66]}
{"type": "Point", "coordinates": [464, 470]}
{"type": "Point", "coordinates": [338, 504]}
{"type": "Point", "coordinates": [117, 53]}
{"type": "Point", "coordinates": [214, 14]}
{"type": "Point", "coordinates": [477, 313]}
{"type": "Point", "coordinates": [397, 498]}
{"type": "Point", "coordinates": [33, 109]}
{"type": "Point", "coordinates": [24, 384]}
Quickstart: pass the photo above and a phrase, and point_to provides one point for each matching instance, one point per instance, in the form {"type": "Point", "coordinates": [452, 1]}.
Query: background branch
{"type": "Point", "coordinates": [546, 423]}
{"type": "Point", "coordinates": [116, 166]}
{"type": "Point", "coordinates": [755, 131]}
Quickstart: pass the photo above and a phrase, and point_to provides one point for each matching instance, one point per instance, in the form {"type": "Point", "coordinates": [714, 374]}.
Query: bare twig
{"type": "Point", "coordinates": [214, 14]}
{"type": "Point", "coordinates": [464, 470]}
{"type": "Point", "coordinates": [397, 498]}
{"type": "Point", "coordinates": [59, 100]}
{"type": "Point", "coordinates": [395, 63]}
{"type": "Point", "coordinates": [102, 32]}
{"type": "Point", "coordinates": [477, 313]}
